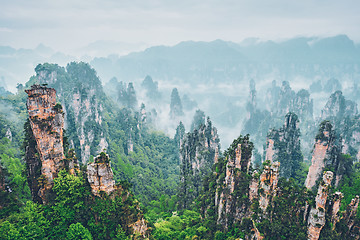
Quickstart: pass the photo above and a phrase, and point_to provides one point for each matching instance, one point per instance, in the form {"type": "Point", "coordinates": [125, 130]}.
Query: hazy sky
{"type": "Point", "coordinates": [70, 24]}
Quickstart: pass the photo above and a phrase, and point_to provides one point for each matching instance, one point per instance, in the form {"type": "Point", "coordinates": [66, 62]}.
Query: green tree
{"type": "Point", "coordinates": [77, 231]}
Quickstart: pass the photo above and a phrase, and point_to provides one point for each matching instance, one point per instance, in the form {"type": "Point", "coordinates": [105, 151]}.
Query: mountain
{"type": "Point", "coordinates": [216, 61]}
{"type": "Point", "coordinates": [77, 163]}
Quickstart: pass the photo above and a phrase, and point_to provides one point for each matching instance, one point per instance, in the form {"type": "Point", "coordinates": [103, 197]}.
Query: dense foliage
{"type": "Point", "coordinates": [147, 170]}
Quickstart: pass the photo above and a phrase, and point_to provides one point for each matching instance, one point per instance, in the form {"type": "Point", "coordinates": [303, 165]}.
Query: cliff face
{"type": "Point", "coordinates": [337, 108]}
{"type": "Point", "coordinates": [316, 220]}
{"type": "Point", "coordinates": [47, 122]}
{"type": "Point", "coordinates": [199, 151]}
{"type": "Point", "coordinates": [231, 207]}
{"type": "Point", "coordinates": [283, 145]}
{"type": "Point", "coordinates": [100, 175]}
{"type": "Point", "coordinates": [343, 114]}
{"type": "Point", "coordinates": [335, 208]}
{"type": "Point", "coordinates": [280, 100]}
{"type": "Point", "coordinates": [349, 218]}
{"type": "Point", "coordinates": [268, 184]}
{"type": "Point", "coordinates": [325, 154]}
{"type": "Point", "coordinates": [101, 179]}
{"type": "Point", "coordinates": [80, 92]}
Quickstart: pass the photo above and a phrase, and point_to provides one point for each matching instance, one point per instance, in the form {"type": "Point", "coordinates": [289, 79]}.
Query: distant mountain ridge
{"type": "Point", "coordinates": [229, 61]}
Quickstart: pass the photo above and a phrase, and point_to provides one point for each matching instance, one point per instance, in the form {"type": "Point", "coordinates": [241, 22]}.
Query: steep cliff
{"type": "Point", "coordinates": [199, 151]}
{"type": "Point", "coordinates": [100, 175]}
{"type": "Point", "coordinates": [46, 158]}
{"type": "Point", "coordinates": [176, 109]}
{"type": "Point", "coordinates": [343, 114]}
{"type": "Point", "coordinates": [283, 145]}
{"type": "Point", "coordinates": [326, 154]}
{"type": "Point", "coordinates": [279, 101]}
{"type": "Point", "coordinates": [80, 92]}
{"type": "Point", "coordinates": [268, 184]}
{"type": "Point", "coordinates": [338, 108]}
{"type": "Point", "coordinates": [353, 227]}
{"type": "Point", "coordinates": [232, 190]}
{"type": "Point", "coordinates": [335, 208]}
{"type": "Point", "coordinates": [316, 220]}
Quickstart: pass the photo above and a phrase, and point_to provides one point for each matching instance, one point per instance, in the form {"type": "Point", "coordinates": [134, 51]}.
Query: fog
{"type": "Point", "coordinates": [208, 50]}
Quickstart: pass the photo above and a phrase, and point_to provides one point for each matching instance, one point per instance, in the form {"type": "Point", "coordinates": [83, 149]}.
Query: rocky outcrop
{"type": "Point", "coordinates": [47, 121]}
{"type": "Point", "coordinates": [303, 105]}
{"type": "Point", "coordinates": [335, 208]}
{"type": "Point", "coordinates": [284, 103]}
{"type": "Point", "coordinates": [254, 186]}
{"type": "Point", "coordinates": [337, 108]}
{"type": "Point", "coordinates": [270, 151]}
{"type": "Point", "coordinates": [100, 175]}
{"type": "Point", "coordinates": [230, 205]}
{"type": "Point", "coordinates": [316, 220]}
{"type": "Point", "coordinates": [285, 100]}
{"type": "Point", "coordinates": [199, 151]}
{"type": "Point", "coordinates": [268, 184]}
{"type": "Point", "coordinates": [279, 102]}
{"type": "Point", "coordinates": [101, 180]}
{"type": "Point", "coordinates": [325, 154]}
{"type": "Point", "coordinates": [80, 92]}
{"type": "Point", "coordinates": [349, 218]}
{"type": "Point", "coordinates": [176, 109]}
{"type": "Point", "coordinates": [283, 145]}
{"type": "Point", "coordinates": [343, 115]}
{"type": "Point", "coordinates": [140, 228]}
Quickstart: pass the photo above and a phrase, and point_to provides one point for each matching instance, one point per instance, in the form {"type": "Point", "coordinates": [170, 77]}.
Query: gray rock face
{"type": "Point", "coordinates": [229, 207]}
{"type": "Point", "coordinates": [337, 108]}
{"type": "Point", "coordinates": [79, 91]}
{"type": "Point", "coordinates": [100, 176]}
{"type": "Point", "coordinates": [199, 151]}
{"type": "Point", "coordinates": [350, 216]}
{"type": "Point", "coordinates": [283, 145]}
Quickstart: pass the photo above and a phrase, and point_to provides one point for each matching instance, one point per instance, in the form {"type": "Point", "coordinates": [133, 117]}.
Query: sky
{"type": "Point", "coordinates": [67, 25]}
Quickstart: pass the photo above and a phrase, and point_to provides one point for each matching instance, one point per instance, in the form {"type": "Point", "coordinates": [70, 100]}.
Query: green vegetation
{"type": "Point", "coordinates": [73, 214]}
{"type": "Point", "coordinates": [147, 170]}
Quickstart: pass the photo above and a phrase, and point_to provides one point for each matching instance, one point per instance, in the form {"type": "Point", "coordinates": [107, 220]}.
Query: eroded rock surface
{"type": "Point", "coordinates": [47, 122]}
{"type": "Point", "coordinates": [336, 203]}
{"type": "Point", "coordinates": [350, 216]}
{"type": "Point", "coordinates": [316, 220]}
{"type": "Point", "coordinates": [227, 200]}
{"type": "Point", "coordinates": [283, 145]}
{"type": "Point", "coordinates": [100, 175]}
{"type": "Point", "coordinates": [325, 154]}
{"type": "Point", "coordinates": [199, 151]}
{"type": "Point", "coordinates": [80, 92]}
{"type": "Point", "coordinates": [268, 184]}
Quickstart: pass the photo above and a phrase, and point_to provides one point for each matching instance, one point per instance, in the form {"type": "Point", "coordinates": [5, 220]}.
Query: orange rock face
{"type": "Point", "coordinates": [317, 219]}
{"type": "Point", "coordinates": [47, 124]}
{"type": "Point", "coordinates": [254, 186]}
{"type": "Point", "coordinates": [317, 162]}
{"type": "Point", "coordinates": [268, 184]}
